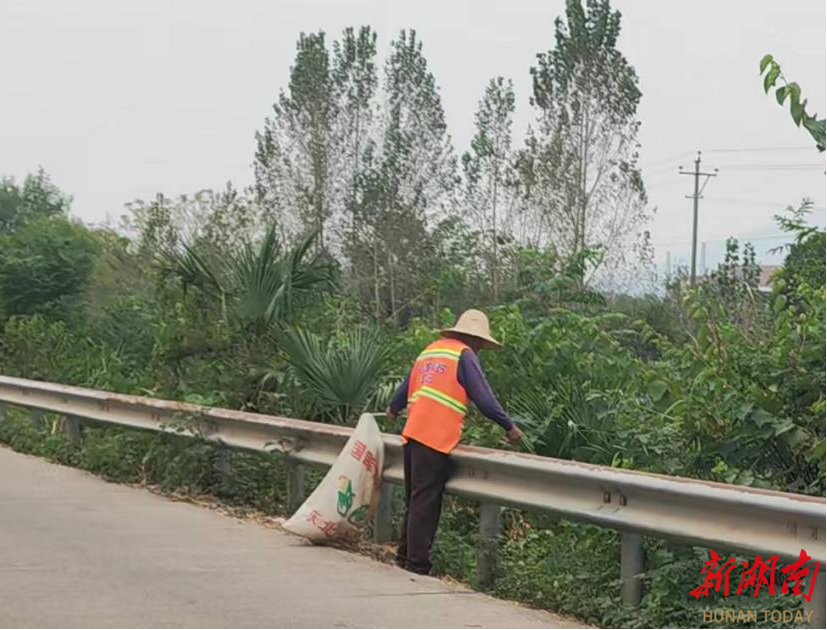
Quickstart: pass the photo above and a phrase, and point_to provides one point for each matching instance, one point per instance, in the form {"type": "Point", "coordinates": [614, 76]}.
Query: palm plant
{"type": "Point", "coordinates": [258, 285]}
{"type": "Point", "coordinates": [568, 423]}
{"type": "Point", "coordinates": [337, 379]}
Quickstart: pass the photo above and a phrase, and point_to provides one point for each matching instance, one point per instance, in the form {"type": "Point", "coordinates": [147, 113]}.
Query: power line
{"type": "Point", "coordinates": [750, 202]}
{"type": "Point", "coordinates": [746, 168]}
{"type": "Point", "coordinates": [773, 165]}
{"type": "Point", "coordinates": [649, 163]}
{"type": "Point", "coordinates": [661, 171]}
{"type": "Point", "coordinates": [758, 149]}
{"type": "Point", "coordinates": [741, 239]}
{"type": "Point", "coordinates": [659, 161]}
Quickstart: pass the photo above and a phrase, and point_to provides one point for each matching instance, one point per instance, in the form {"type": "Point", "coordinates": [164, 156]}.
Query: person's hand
{"type": "Point", "coordinates": [391, 415]}
{"type": "Point", "coordinates": [514, 435]}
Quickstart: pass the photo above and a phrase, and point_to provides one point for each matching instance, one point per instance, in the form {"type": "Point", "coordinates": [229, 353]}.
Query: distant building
{"type": "Point", "coordinates": [765, 281]}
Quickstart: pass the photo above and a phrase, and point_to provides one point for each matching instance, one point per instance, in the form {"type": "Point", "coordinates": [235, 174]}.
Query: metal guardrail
{"type": "Point", "coordinates": [697, 512]}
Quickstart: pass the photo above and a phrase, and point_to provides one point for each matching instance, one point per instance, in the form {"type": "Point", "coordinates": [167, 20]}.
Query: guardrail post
{"type": "Point", "coordinates": [815, 607]}
{"type": "Point", "coordinates": [3, 409]}
{"type": "Point", "coordinates": [490, 522]}
{"type": "Point", "coordinates": [71, 428]}
{"type": "Point", "coordinates": [36, 418]}
{"type": "Point", "coordinates": [225, 466]}
{"type": "Point", "coordinates": [295, 485]}
{"type": "Point", "coordinates": [631, 564]}
{"type": "Point", "coordinates": [382, 529]}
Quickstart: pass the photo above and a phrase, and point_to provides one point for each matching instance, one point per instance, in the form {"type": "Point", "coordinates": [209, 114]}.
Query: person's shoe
{"type": "Point", "coordinates": [417, 570]}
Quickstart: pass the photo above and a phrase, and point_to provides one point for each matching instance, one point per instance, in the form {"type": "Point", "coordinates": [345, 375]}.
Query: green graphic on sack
{"type": "Point", "coordinates": [346, 495]}
{"type": "Point", "coordinates": [344, 503]}
{"type": "Point", "coordinates": [358, 516]}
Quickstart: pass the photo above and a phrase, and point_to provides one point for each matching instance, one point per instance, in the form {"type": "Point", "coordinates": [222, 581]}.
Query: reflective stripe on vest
{"type": "Point", "coordinates": [438, 396]}
{"type": "Point", "coordinates": [437, 403]}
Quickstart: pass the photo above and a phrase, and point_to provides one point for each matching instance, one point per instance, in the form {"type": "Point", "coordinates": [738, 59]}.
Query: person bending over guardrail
{"type": "Point", "coordinates": [436, 391]}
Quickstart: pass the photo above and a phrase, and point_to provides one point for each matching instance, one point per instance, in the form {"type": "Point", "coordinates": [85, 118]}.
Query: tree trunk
{"type": "Point", "coordinates": [377, 302]}
{"type": "Point", "coordinates": [392, 289]}
{"type": "Point", "coordinates": [584, 156]}
{"type": "Point", "coordinates": [495, 266]}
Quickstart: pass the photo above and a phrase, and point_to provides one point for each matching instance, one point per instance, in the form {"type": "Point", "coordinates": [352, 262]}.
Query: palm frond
{"type": "Point", "coordinates": [258, 285]}
{"type": "Point", "coordinates": [567, 423]}
{"type": "Point", "coordinates": [337, 378]}
{"type": "Point", "coordinates": [190, 268]}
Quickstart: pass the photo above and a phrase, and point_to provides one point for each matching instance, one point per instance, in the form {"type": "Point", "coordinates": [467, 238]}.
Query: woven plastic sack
{"type": "Point", "coordinates": [346, 498]}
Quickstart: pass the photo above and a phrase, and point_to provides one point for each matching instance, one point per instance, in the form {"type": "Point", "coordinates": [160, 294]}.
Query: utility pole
{"type": "Point", "coordinates": [697, 195]}
{"type": "Point", "coordinates": [703, 258]}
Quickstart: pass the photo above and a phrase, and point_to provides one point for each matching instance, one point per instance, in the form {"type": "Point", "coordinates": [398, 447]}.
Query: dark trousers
{"type": "Point", "coordinates": [426, 472]}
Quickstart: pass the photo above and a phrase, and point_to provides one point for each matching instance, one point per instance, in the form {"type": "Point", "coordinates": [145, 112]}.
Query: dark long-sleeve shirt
{"type": "Point", "coordinates": [472, 379]}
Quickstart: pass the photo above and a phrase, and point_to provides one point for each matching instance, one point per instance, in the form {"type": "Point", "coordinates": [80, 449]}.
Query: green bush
{"type": "Point", "coordinates": [44, 268]}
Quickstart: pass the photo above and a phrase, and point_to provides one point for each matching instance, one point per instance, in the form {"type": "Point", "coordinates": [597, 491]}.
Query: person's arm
{"type": "Point", "coordinates": [471, 377]}
{"type": "Point", "coordinates": [400, 399]}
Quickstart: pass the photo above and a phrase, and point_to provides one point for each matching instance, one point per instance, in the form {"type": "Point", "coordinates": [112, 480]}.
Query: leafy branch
{"type": "Point", "coordinates": [771, 72]}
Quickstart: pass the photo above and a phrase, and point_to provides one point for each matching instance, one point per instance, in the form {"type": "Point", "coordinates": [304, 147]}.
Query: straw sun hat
{"type": "Point", "coordinates": [474, 323]}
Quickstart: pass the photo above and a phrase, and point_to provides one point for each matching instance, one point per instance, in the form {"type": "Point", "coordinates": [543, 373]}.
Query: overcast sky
{"type": "Point", "coordinates": [120, 100]}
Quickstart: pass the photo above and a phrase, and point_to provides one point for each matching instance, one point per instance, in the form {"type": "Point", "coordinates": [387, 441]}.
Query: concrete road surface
{"type": "Point", "coordinates": [76, 551]}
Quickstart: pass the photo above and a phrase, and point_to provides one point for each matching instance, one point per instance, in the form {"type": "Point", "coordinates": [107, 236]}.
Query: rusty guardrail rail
{"type": "Point", "coordinates": [735, 518]}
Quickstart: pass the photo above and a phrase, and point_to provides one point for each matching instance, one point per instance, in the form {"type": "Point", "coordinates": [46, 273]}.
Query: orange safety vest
{"type": "Point", "coordinates": [437, 403]}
